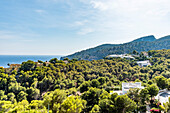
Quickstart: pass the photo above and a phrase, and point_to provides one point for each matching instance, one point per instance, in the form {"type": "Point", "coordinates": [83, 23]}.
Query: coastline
{"type": "Point", "coordinates": [18, 59]}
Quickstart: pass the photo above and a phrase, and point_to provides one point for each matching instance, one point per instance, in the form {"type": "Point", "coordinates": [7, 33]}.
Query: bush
{"type": "Point", "coordinates": [116, 88]}
{"type": "Point", "coordinates": [161, 108]}
{"type": "Point", "coordinates": [142, 108]}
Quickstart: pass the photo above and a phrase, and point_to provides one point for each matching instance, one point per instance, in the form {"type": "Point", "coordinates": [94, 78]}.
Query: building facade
{"type": "Point", "coordinates": [127, 86]}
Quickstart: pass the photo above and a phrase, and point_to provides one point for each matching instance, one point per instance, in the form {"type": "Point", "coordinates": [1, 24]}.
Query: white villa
{"type": "Point", "coordinates": [144, 63]}
{"type": "Point", "coordinates": [127, 86]}
{"type": "Point", "coordinates": [121, 56]}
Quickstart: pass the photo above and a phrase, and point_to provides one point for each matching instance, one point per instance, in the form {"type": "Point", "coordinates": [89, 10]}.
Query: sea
{"type": "Point", "coordinates": [18, 59]}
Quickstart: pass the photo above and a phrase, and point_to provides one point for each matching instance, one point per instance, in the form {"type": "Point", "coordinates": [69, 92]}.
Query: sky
{"type": "Point", "coordinates": [62, 27]}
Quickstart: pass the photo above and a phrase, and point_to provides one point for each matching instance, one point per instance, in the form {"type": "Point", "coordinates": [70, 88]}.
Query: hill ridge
{"type": "Point", "coordinates": [145, 43]}
{"type": "Point", "coordinates": [145, 38]}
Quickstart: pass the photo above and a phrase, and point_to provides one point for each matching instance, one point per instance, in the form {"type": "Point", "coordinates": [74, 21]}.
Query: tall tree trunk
{"type": "Point", "coordinates": [123, 110]}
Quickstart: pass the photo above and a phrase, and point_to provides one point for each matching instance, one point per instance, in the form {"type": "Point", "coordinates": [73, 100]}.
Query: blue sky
{"type": "Point", "coordinates": [62, 27]}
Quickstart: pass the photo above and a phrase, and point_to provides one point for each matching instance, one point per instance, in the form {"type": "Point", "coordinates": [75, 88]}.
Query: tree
{"type": "Point", "coordinates": [54, 60]}
{"type": "Point", "coordinates": [39, 61]}
{"type": "Point", "coordinates": [47, 98]}
{"type": "Point", "coordinates": [168, 83]}
{"type": "Point", "coordinates": [95, 83]}
{"type": "Point", "coordinates": [73, 104]}
{"type": "Point", "coordinates": [161, 82]}
{"type": "Point", "coordinates": [113, 96]}
{"type": "Point", "coordinates": [6, 106]}
{"type": "Point", "coordinates": [95, 109]}
{"type": "Point", "coordinates": [67, 59]}
{"type": "Point", "coordinates": [144, 94]}
{"type": "Point", "coordinates": [8, 64]}
{"type": "Point", "coordinates": [15, 88]}
{"type": "Point", "coordinates": [3, 81]}
{"type": "Point", "coordinates": [20, 107]}
{"type": "Point", "coordinates": [92, 96]}
{"type": "Point", "coordinates": [150, 82]}
{"type": "Point", "coordinates": [133, 94]}
{"type": "Point", "coordinates": [135, 52]}
{"type": "Point", "coordinates": [167, 106]}
{"type": "Point", "coordinates": [37, 105]}
{"type": "Point", "coordinates": [153, 90]}
{"type": "Point", "coordinates": [124, 104]}
{"type": "Point", "coordinates": [11, 97]}
{"type": "Point", "coordinates": [58, 96]}
{"type": "Point", "coordinates": [106, 106]}
{"type": "Point", "coordinates": [2, 94]}
{"type": "Point", "coordinates": [22, 96]}
{"type": "Point", "coordinates": [34, 93]}
{"type": "Point", "coordinates": [27, 66]}
{"type": "Point", "coordinates": [84, 86]}
{"type": "Point", "coordinates": [102, 80]}
{"type": "Point", "coordinates": [54, 99]}
{"type": "Point", "coordinates": [104, 95]}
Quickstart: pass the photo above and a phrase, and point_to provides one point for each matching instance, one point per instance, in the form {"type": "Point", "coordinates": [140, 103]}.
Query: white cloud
{"type": "Point", "coordinates": [85, 31]}
{"type": "Point", "coordinates": [100, 5]}
{"type": "Point", "coordinates": [40, 11]}
{"type": "Point", "coordinates": [130, 18]}
{"type": "Point", "coordinates": [80, 23]}
{"type": "Point", "coordinates": [132, 6]}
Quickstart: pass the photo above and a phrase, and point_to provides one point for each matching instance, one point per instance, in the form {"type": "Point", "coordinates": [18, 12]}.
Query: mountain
{"type": "Point", "coordinates": [146, 38]}
{"type": "Point", "coordinates": [141, 44]}
{"type": "Point", "coordinates": [164, 38]}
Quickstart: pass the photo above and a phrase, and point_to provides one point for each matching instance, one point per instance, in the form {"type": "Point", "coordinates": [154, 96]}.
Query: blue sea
{"type": "Point", "coordinates": [18, 59]}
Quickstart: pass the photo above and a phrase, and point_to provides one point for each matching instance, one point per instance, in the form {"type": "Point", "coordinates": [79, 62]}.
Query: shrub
{"type": "Point", "coordinates": [161, 108]}
{"type": "Point", "coordinates": [142, 108]}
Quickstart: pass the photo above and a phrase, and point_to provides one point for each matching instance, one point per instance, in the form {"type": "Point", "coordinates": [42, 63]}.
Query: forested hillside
{"type": "Point", "coordinates": [146, 38]}
{"type": "Point", "coordinates": [83, 86]}
{"type": "Point", "coordinates": [142, 44]}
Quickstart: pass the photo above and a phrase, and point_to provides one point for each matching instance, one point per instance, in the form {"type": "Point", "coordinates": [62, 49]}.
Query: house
{"type": "Point", "coordinates": [115, 56]}
{"type": "Point", "coordinates": [65, 61]}
{"type": "Point", "coordinates": [121, 56]}
{"type": "Point", "coordinates": [41, 64]}
{"type": "Point", "coordinates": [38, 64]}
{"type": "Point", "coordinates": [144, 63]}
{"type": "Point", "coordinates": [145, 53]}
{"type": "Point", "coordinates": [128, 57]}
{"type": "Point", "coordinates": [47, 63]}
{"type": "Point", "coordinates": [127, 86]}
{"type": "Point", "coordinates": [15, 65]}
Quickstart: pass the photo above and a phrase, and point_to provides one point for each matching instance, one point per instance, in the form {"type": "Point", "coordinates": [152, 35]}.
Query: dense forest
{"type": "Point", "coordinates": [142, 44]}
{"type": "Point", "coordinates": [79, 86]}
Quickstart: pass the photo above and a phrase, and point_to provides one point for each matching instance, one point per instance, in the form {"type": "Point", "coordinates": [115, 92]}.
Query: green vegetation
{"type": "Point", "coordinates": [83, 86]}
{"type": "Point", "coordinates": [142, 44]}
